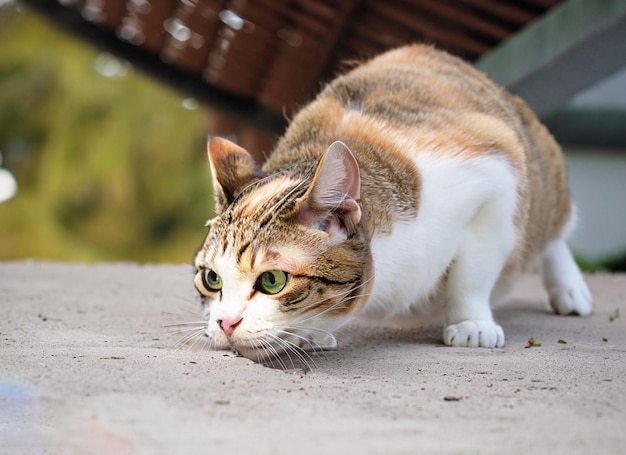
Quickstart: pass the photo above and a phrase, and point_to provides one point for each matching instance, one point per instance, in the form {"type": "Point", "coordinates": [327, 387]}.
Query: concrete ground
{"type": "Point", "coordinates": [87, 367]}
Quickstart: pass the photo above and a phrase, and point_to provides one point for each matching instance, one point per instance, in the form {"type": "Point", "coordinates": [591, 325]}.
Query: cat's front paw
{"type": "Point", "coordinates": [474, 334]}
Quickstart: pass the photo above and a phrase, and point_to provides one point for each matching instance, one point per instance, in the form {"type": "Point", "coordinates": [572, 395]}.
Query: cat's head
{"type": "Point", "coordinates": [286, 260]}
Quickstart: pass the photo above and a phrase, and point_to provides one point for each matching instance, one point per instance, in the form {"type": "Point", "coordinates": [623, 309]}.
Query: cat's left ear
{"type": "Point", "coordinates": [233, 169]}
{"type": "Point", "coordinates": [334, 196]}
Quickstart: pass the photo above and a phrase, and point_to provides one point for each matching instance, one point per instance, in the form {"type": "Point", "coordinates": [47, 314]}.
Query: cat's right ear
{"type": "Point", "coordinates": [232, 168]}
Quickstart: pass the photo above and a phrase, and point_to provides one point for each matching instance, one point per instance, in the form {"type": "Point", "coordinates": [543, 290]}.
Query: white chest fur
{"type": "Point", "coordinates": [462, 204]}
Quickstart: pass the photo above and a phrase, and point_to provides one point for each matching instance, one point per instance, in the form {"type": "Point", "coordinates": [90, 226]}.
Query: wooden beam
{"type": "Point", "coordinates": [236, 107]}
{"type": "Point", "coordinates": [592, 127]}
{"type": "Point", "coordinates": [575, 45]}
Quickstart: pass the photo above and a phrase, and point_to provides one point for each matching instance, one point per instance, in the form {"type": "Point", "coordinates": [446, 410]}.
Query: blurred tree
{"type": "Point", "coordinates": [110, 165]}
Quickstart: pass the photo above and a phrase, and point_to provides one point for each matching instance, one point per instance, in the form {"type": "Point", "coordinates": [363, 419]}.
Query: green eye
{"type": "Point", "coordinates": [211, 280]}
{"type": "Point", "coordinates": [272, 282]}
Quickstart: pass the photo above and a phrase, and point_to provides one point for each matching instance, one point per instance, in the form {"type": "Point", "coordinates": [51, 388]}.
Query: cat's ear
{"type": "Point", "coordinates": [232, 168]}
{"type": "Point", "coordinates": [333, 199]}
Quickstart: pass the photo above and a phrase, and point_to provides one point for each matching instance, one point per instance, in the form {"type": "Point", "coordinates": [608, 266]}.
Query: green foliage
{"type": "Point", "coordinates": [109, 168]}
{"type": "Point", "coordinates": [614, 263]}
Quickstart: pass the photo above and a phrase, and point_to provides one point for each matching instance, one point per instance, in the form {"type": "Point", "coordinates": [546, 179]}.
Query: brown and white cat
{"type": "Point", "coordinates": [411, 179]}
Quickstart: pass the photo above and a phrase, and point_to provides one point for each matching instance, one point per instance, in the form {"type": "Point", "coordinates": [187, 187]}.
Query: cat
{"type": "Point", "coordinates": [411, 180]}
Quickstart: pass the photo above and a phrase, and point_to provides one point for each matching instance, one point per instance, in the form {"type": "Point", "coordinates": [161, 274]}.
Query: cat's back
{"type": "Point", "coordinates": [411, 88]}
{"type": "Point", "coordinates": [401, 103]}
{"type": "Point", "coordinates": [418, 85]}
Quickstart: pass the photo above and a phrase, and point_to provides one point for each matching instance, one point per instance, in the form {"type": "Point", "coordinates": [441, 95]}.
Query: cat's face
{"type": "Point", "coordinates": [286, 259]}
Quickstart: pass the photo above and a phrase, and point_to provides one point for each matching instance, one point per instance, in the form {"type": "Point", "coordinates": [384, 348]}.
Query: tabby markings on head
{"type": "Point", "coordinates": [286, 258]}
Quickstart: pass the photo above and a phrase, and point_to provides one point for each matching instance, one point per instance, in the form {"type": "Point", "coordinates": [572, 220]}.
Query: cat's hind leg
{"type": "Point", "coordinates": [564, 281]}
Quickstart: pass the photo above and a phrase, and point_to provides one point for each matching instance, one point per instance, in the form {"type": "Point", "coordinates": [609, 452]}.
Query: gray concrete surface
{"type": "Point", "coordinates": [87, 367]}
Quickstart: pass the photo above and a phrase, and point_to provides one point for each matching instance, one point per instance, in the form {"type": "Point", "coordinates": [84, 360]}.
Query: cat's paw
{"type": "Point", "coordinates": [474, 334]}
{"type": "Point", "coordinates": [564, 282]}
{"type": "Point", "coordinates": [571, 297]}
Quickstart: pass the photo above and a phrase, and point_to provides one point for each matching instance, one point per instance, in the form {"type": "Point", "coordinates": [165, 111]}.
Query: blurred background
{"type": "Point", "coordinates": [103, 150]}
{"type": "Point", "coordinates": [110, 165]}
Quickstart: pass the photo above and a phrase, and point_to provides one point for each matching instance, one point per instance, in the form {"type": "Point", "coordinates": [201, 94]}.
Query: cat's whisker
{"type": "Point", "coordinates": [181, 327]}
{"type": "Point", "coordinates": [184, 324]}
{"type": "Point", "coordinates": [310, 329]}
{"type": "Point", "coordinates": [272, 352]}
{"type": "Point", "coordinates": [192, 338]}
{"type": "Point", "coordinates": [345, 330]}
{"type": "Point", "coordinates": [250, 343]}
{"type": "Point", "coordinates": [258, 349]}
{"type": "Point", "coordinates": [190, 331]}
{"type": "Point", "coordinates": [210, 344]}
{"type": "Point", "coordinates": [198, 337]}
{"type": "Point", "coordinates": [336, 305]}
{"type": "Point", "coordinates": [300, 320]}
{"type": "Point", "coordinates": [186, 314]}
{"type": "Point", "coordinates": [272, 356]}
{"type": "Point", "coordinates": [286, 352]}
{"type": "Point", "coordinates": [257, 346]}
{"type": "Point", "coordinates": [315, 346]}
{"type": "Point", "coordinates": [186, 302]}
{"type": "Point", "coordinates": [185, 340]}
{"type": "Point", "coordinates": [190, 271]}
{"type": "Point", "coordinates": [290, 347]}
{"type": "Point", "coordinates": [184, 333]}
{"type": "Point", "coordinates": [345, 299]}
{"type": "Point", "coordinates": [183, 307]}
{"type": "Point", "coordinates": [303, 354]}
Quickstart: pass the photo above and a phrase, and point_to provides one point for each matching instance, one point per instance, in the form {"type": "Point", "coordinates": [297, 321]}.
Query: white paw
{"type": "Point", "coordinates": [474, 334]}
{"type": "Point", "coordinates": [565, 284]}
{"type": "Point", "coordinates": [571, 297]}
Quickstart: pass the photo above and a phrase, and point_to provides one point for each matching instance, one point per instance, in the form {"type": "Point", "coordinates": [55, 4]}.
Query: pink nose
{"type": "Point", "coordinates": [229, 325]}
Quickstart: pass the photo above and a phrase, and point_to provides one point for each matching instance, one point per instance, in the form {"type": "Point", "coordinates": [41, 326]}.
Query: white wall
{"type": "Point", "coordinates": [598, 183]}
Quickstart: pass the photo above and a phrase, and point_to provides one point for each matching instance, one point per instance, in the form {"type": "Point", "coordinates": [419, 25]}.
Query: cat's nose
{"type": "Point", "coordinates": [229, 325]}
